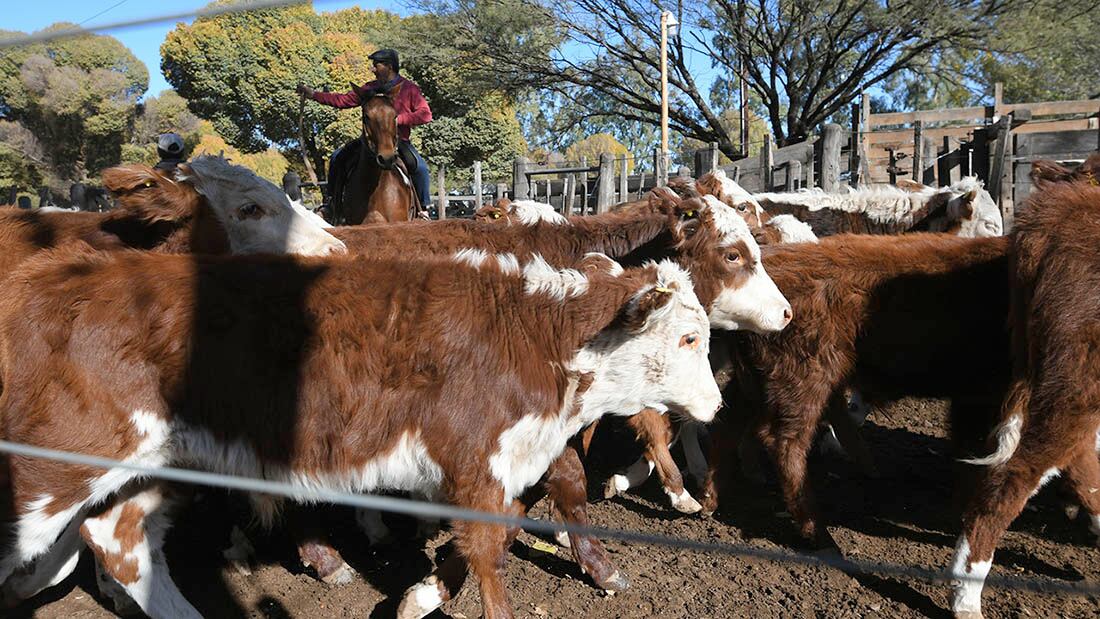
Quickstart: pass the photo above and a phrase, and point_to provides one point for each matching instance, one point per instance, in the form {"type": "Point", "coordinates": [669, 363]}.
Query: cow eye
{"type": "Point", "coordinates": [733, 257]}
{"type": "Point", "coordinates": [742, 208]}
{"type": "Point", "coordinates": [250, 210]}
{"type": "Point", "coordinates": [690, 340]}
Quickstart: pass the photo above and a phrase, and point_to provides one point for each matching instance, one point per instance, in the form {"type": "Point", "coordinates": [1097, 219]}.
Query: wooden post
{"type": "Point", "coordinates": [794, 175]}
{"type": "Point", "coordinates": [521, 189]}
{"type": "Point", "coordinates": [641, 185]}
{"type": "Point", "coordinates": [660, 165]}
{"type": "Point", "coordinates": [567, 198]}
{"type": "Point", "coordinates": [441, 176]}
{"type": "Point", "coordinates": [706, 159]}
{"type": "Point", "coordinates": [767, 162]}
{"type": "Point", "coordinates": [605, 190]}
{"type": "Point", "coordinates": [892, 168]}
{"type": "Point", "coordinates": [477, 185]}
{"type": "Point", "coordinates": [832, 138]}
{"type": "Point", "coordinates": [1003, 130]}
{"type": "Point", "coordinates": [865, 139]}
{"type": "Point", "coordinates": [855, 147]}
{"type": "Point", "coordinates": [501, 191]}
{"type": "Point", "coordinates": [949, 167]}
{"type": "Point", "coordinates": [918, 150]}
{"type": "Point", "coordinates": [624, 189]}
{"type": "Point", "coordinates": [998, 100]}
{"type": "Point", "coordinates": [928, 161]}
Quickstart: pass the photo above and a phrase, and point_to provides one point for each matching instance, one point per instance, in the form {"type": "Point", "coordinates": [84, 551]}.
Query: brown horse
{"type": "Point", "coordinates": [380, 188]}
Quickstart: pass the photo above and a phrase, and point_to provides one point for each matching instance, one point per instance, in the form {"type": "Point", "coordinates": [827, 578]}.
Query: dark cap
{"type": "Point", "coordinates": [170, 146]}
{"type": "Point", "coordinates": [387, 56]}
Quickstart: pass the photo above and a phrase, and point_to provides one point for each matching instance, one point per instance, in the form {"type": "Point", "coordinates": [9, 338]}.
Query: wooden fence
{"type": "Point", "coordinates": [996, 143]}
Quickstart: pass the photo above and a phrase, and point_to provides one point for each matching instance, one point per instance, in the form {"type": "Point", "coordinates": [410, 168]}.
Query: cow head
{"type": "Point", "coordinates": [724, 257]}
{"type": "Point", "coordinates": [656, 356]}
{"type": "Point", "coordinates": [735, 196]}
{"type": "Point", "coordinates": [256, 214]}
{"type": "Point", "coordinates": [971, 211]}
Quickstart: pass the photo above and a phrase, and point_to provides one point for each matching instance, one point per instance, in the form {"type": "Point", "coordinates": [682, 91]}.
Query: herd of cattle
{"type": "Point", "coordinates": [207, 321]}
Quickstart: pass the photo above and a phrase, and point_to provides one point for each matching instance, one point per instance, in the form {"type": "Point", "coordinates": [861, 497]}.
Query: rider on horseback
{"type": "Point", "coordinates": [412, 110]}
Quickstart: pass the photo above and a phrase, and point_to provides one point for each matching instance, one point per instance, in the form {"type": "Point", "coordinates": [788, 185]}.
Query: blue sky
{"type": "Point", "coordinates": [144, 41]}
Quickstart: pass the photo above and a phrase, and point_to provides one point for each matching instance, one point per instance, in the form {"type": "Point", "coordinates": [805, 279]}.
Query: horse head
{"type": "Point", "coordinates": [379, 124]}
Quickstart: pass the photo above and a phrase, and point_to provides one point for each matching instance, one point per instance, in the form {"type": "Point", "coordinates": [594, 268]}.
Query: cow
{"type": "Point", "coordinates": [524, 212]}
{"type": "Point", "coordinates": [1052, 410]}
{"type": "Point", "coordinates": [360, 375]}
{"type": "Point", "coordinates": [727, 191]}
{"type": "Point", "coordinates": [207, 206]}
{"type": "Point", "coordinates": [963, 208]}
{"type": "Point", "coordinates": [872, 316]}
{"type": "Point", "coordinates": [1046, 172]}
{"type": "Point", "coordinates": [705, 236]}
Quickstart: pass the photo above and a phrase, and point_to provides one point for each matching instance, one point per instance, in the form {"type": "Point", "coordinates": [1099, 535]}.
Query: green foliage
{"type": "Point", "coordinates": [269, 164]}
{"type": "Point", "coordinates": [240, 71]}
{"type": "Point", "coordinates": [489, 133]}
{"type": "Point", "coordinates": [77, 97]}
{"type": "Point", "coordinates": [590, 148]}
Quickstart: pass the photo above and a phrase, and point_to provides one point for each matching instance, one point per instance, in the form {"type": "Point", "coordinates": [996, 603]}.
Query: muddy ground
{"type": "Point", "coordinates": [908, 516]}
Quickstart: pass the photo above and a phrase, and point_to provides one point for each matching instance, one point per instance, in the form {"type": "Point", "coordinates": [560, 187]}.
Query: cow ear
{"type": "Point", "coordinates": [906, 184]}
{"type": "Point", "coordinates": [641, 311]}
{"type": "Point", "coordinates": [966, 204]}
{"type": "Point", "coordinates": [127, 178]}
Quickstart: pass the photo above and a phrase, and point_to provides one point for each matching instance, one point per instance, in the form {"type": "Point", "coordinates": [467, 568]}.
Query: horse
{"type": "Point", "coordinates": [380, 188]}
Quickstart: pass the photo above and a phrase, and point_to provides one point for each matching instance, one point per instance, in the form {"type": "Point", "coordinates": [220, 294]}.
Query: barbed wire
{"type": "Point", "coordinates": [423, 509]}
{"type": "Point", "coordinates": [239, 7]}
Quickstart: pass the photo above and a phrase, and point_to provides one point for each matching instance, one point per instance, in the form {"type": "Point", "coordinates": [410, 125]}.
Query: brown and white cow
{"type": "Point", "coordinates": [342, 373]}
{"type": "Point", "coordinates": [207, 206]}
{"type": "Point", "coordinates": [1045, 172]}
{"type": "Point", "coordinates": [963, 208]}
{"type": "Point", "coordinates": [1052, 411]}
{"type": "Point", "coordinates": [871, 315]}
{"type": "Point", "coordinates": [707, 238]}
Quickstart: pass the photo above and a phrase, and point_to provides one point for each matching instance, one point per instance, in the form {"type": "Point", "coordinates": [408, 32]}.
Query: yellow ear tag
{"type": "Point", "coordinates": [689, 213]}
{"type": "Point", "coordinates": [662, 289]}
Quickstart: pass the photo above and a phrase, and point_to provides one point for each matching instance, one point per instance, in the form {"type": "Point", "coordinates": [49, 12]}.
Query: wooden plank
{"type": "Point", "coordinates": [477, 184]}
{"type": "Point", "coordinates": [767, 162]}
{"type": "Point", "coordinates": [1051, 108]}
{"type": "Point", "coordinates": [521, 189]}
{"type": "Point", "coordinates": [856, 153]}
{"type": "Point", "coordinates": [605, 191]}
{"type": "Point", "coordinates": [918, 150]}
{"type": "Point", "coordinates": [1035, 145]}
{"type": "Point", "coordinates": [929, 116]}
{"type": "Point", "coordinates": [928, 162]}
{"type": "Point", "coordinates": [624, 180]}
{"type": "Point", "coordinates": [949, 169]}
{"type": "Point", "coordinates": [1003, 131]}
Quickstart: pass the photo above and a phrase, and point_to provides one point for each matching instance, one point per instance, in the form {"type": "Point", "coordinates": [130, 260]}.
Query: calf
{"type": "Point", "coordinates": [871, 314]}
{"type": "Point", "coordinates": [1046, 172]}
{"type": "Point", "coordinates": [1052, 411]}
{"type": "Point", "coordinates": [964, 208]}
{"type": "Point", "coordinates": [356, 381]}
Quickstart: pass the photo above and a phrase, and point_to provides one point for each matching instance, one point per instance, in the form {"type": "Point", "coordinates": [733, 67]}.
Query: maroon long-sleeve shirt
{"type": "Point", "coordinates": [412, 108]}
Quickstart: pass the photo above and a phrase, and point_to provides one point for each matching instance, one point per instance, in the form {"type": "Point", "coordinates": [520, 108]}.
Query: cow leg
{"type": "Point", "coordinates": [1083, 476]}
{"type": "Point", "coordinates": [566, 483]}
{"type": "Point", "coordinates": [788, 439]}
{"type": "Point", "coordinates": [841, 419]}
{"type": "Point", "coordinates": [691, 440]}
{"type": "Point", "coordinates": [633, 476]}
{"type": "Point", "coordinates": [316, 551]}
{"type": "Point", "coordinates": [47, 570]}
{"type": "Point", "coordinates": [126, 539]}
{"type": "Point", "coordinates": [479, 545]}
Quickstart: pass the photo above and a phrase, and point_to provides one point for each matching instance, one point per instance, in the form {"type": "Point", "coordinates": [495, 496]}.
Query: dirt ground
{"type": "Point", "coordinates": [907, 516]}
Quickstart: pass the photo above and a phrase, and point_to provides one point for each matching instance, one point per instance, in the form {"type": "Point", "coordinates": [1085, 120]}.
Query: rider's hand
{"type": "Point", "coordinates": [304, 90]}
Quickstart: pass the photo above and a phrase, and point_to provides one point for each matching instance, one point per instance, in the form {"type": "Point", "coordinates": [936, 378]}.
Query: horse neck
{"type": "Point", "coordinates": [379, 186]}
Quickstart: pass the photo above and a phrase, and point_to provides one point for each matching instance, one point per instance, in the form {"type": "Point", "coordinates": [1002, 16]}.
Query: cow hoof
{"type": "Point", "coordinates": [562, 538]}
{"type": "Point", "coordinates": [342, 575]}
{"type": "Point", "coordinates": [1072, 511]}
{"type": "Point", "coordinates": [421, 599]}
{"type": "Point", "coordinates": [686, 504]}
{"type": "Point", "coordinates": [615, 583]}
{"type": "Point", "coordinates": [615, 485]}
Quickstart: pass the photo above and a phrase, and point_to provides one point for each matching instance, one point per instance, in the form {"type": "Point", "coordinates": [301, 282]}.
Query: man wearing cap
{"type": "Point", "coordinates": [412, 110]}
{"type": "Point", "coordinates": [170, 150]}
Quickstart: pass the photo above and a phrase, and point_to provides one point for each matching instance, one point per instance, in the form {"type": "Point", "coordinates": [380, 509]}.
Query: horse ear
{"type": "Point", "coordinates": [355, 88]}
{"type": "Point", "coordinates": [395, 90]}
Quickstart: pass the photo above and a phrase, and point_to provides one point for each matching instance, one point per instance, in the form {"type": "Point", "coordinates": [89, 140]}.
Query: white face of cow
{"type": "Point", "coordinates": [660, 359]}
{"type": "Point", "coordinates": [256, 214]}
{"type": "Point", "coordinates": [974, 209]}
{"type": "Point", "coordinates": [530, 212]}
{"type": "Point", "coordinates": [754, 303]}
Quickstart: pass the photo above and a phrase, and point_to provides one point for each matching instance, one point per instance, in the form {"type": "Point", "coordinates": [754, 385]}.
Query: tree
{"type": "Point", "coordinates": [804, 59]}
{"type": "Point", "coordinates": [591, 147]}
{"type": "Point", "coordinates": [269, 164]}
{"type": "Point", "coordinates": [240, 71]}
{"type": "Point", "coordinates": [77, 96]}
